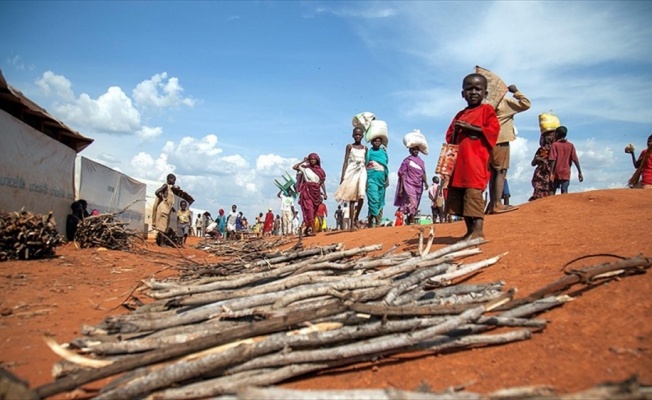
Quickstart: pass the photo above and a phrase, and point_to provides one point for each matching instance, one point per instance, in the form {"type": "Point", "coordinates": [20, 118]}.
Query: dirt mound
{"type": "Point", "coordinates": [603, 335]}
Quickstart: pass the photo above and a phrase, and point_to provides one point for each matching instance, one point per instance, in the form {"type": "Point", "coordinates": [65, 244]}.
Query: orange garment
{"type": "Point", "coordinates": [399, 218]}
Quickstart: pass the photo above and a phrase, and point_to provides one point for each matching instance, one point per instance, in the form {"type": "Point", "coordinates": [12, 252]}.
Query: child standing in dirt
{"type": "Point", "coordinates": [320, 216]}
{"type": "Point", "coordinates": [475, 129]}
{"type": "Point", "coordinates": [184, 216]}
{"type": "Point", "coordinates": [562, 154]}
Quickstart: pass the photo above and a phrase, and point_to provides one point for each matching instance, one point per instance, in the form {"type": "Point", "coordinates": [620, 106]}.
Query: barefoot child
{"type": "Point", "coordinates": [475, 130]}
{"type": "Point", "coordinates": [353, 181]}
{"type": "Point", "coordinates": [184, 216]}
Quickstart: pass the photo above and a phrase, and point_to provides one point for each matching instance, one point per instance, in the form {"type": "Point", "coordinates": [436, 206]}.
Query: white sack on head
{"type": "Point", "coordinates": [416, 139]}
{"type": "Point", "coordinates": [363, 120]}
{"type": "Point", "coordinates": [377, 129]}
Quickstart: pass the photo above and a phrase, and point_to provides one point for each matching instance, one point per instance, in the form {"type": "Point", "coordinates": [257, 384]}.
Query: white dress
{"type": "Point", "coordinates": [354, 185]}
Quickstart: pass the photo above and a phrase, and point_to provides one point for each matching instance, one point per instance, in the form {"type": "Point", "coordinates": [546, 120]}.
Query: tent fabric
{"type": "Point", "coordinates": [36, 171]}
{"type": "Point", "coordinates": [110, 191]}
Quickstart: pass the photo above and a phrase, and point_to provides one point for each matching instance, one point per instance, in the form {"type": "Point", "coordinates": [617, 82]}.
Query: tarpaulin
{"type": "Point", "coordinates": [110, 191]}
{"type": "Point", "coordinates": [37, 172]}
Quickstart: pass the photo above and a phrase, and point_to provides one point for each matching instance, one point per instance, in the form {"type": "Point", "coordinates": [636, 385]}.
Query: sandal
{"type": "Point", "coordinates": [504, 209]}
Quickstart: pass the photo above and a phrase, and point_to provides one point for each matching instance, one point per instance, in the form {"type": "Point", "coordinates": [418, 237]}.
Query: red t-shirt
{"type": "Point", "coordinates": [563, 152]}
{"type": "Point", "coordinates": [646, 172]}
{"type": "Point", "coordinates": [321, 210]}
{"type": "Point", "coordinates": [472, 165]}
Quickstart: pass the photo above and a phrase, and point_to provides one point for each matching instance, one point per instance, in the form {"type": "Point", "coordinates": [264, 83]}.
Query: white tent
{"type": "Point", "coordinates": [110, 191]}
{"type": "Point", "coordinates": [37, 171]}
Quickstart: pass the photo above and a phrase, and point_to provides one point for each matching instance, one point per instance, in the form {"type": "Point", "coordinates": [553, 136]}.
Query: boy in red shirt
{"type": "Point", "coordinates": [562, 154]}
{"type": "Point", "coordinates": [475, 129]}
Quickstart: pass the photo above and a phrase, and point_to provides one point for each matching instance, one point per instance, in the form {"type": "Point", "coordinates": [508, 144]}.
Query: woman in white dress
{"type": "Point", "coordinates": [353, 181]}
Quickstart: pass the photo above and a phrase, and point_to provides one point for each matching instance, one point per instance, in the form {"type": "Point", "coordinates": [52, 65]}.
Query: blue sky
{"type": "Point", "coordinates": [228, 95]}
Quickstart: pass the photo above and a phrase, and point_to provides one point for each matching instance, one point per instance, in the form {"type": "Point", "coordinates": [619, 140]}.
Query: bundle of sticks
{"type": "Point", "coordinates": [249, 262]}
{"type": "Point", "coordinates": [24, 235]}
{"type": "Point", "coordinates": [243, 250]}
{"type": "Point", "coordinates": [105, 230]}
{"type": "Point", "coordinates": [217, 334]}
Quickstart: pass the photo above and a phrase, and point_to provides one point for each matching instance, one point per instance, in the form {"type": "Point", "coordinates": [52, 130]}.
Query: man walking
{"type": "Point", "coordinates": [507, 108]}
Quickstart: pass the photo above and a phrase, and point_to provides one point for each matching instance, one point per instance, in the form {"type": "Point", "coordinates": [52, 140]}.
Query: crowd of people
{"type": "Point", "coordinates": [480, 133]}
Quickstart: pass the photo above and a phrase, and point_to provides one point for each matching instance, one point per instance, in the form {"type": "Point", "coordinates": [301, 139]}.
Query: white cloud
{"type": "Point", "coordinates": [521, 153]}
{"type": "Point", "coordinates": [246, 180]}
{"type": "Point", "coordinates": [202, 156]}
{"type": "Point", "coordinates": [148, 134]}
{"type": "Point", "coordinates": [274, 165]}
{"type": "Point", "coordinates": [233, 163]}
{"type": "Point", "coordinates": [590, 152]}
{"type": "Point", "coordinates": [17, 62]}
{"type": "Point", "coordinates": [145, 166]}
{"type": "Point", "coordinates": [57, 85]}
{"type": "Point", "coordinates": [372, 10]}
{"type": "Point", "coordinates": [111, 112]}
{"type": "Point", "coordinates": [161, 92]}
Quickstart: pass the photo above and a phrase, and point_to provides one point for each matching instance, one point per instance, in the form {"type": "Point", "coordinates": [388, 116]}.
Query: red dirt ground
{"type": "Point", "coordinates": [603, 335]}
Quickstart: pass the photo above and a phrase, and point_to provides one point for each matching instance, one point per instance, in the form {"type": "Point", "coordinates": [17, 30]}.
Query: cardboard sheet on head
{"type": "Point", "coordinates": [496, 88]}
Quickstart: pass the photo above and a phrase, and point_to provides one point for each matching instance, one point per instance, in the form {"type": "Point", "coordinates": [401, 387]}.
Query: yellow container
{"type": "Point", "coordinates": [548, 122]}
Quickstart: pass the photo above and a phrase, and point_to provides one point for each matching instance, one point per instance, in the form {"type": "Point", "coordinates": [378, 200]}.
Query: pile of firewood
{"type": "Point", "coordinates": [105, 230]}
{"type": "Point", "coordinates": [24, 235]}
{"type": "Point", "coordinates": [249, 261]}
{"type": "Point", "coordinates": [301, 314]}
{"type": "Point", "coordinates": [244, 250]}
